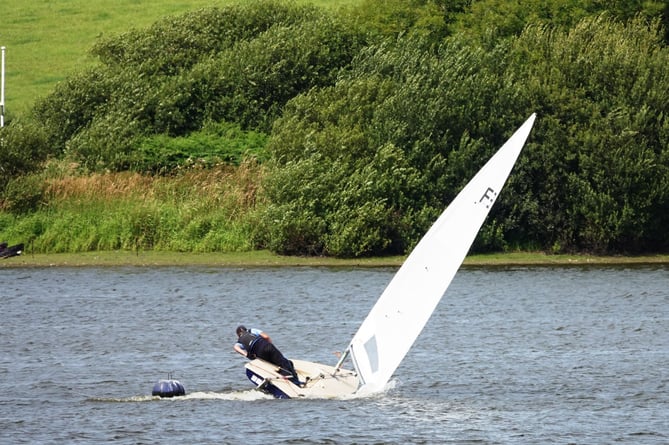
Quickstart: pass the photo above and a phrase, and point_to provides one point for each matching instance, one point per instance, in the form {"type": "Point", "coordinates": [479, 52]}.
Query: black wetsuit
{"type": "Point", "coordinates": [257, 347]}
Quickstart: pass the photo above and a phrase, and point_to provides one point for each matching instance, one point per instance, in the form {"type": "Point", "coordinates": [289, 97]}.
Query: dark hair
{"type": "Point", "coordinates": [241, 329]}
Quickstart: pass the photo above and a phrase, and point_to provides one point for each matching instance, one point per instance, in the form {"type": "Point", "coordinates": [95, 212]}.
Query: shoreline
{"type": "Point", "coordinates": [268, 259]}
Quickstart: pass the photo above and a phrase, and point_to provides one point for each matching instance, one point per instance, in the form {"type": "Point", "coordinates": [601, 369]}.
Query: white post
{"type": "Point", "coordinates": [2, 89]}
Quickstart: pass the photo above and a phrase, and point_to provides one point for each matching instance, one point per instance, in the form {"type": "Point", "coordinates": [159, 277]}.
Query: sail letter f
{"type": "Point", "coordinates": [487, 196]}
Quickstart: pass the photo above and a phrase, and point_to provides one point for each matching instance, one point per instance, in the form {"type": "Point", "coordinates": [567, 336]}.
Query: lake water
{"type": "Point", "coordinates": [511, 356]}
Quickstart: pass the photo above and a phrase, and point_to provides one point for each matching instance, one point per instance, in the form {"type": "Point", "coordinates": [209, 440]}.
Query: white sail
{"type": "Point", "coordinates": [405, 306]}
{"type": "Point", "coordinates": [398, 317]}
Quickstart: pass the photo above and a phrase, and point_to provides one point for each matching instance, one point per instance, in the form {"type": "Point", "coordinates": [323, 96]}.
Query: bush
{"type": "Point", "coordinates": [411, 124]}
{"type": "Point", "coordinates": [239, 64]}
{"type": "Point", "coordinates": [392, 18]}
{"type": "Point", "coordinates": [602, 96]}
{"type": "Point", "coordinates": [23, 148]}
{"type": "Point", "coordinates": [380, 155]}
{"type": "Point", "coordinates": [73, 105]}
{"type": "Point", "coordinates": [23, 194]}
{"type": "Point", "coordinates": [214, 144]}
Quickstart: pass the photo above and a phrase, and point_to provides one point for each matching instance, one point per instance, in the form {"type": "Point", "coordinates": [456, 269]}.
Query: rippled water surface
{"type": "Point", "coordinates": [517, 355]}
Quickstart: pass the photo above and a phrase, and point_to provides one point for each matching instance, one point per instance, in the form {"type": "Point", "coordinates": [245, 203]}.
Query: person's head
{"type": "Point", "coordinates": [240, 330]}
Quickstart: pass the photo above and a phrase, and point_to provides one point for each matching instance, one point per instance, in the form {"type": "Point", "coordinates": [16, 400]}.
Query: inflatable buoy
{"type": "Point", "coordinates": [168, 388]}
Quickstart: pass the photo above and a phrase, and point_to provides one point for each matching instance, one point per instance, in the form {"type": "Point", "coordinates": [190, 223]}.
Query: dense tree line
{"type": "Point", "coordinates": [375, 158]}
{"type": "Point", "coordinates": [375, 118]}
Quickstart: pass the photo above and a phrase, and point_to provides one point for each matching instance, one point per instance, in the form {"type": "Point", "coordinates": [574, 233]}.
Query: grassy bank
{"type": "Point", "coordinates": [200, 210]}
{"type": "Point", "coordinates": [267, 259]}
{"type": "Point", "coordinates": [136, 220]}
{"type": "Point", "coordinates": [47, 40]}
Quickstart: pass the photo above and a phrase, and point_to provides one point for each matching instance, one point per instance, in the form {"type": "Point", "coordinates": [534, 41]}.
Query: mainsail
{"type": "Point", "coordinates": [398, 317]}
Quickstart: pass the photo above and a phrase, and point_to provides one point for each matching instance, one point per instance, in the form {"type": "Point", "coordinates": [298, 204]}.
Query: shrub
{"type": "Point", "coordinates": [23, 149]}
{"type": "Point", "coordinates": [23, 194]}
{"type": "Point", "coordinates": [215, 143]}
{"type": "Point", "coordinates": [238, 64]}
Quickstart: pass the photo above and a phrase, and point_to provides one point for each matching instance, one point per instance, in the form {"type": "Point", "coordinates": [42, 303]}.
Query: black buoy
{"type": "Point", "coordinates": [168, 388]}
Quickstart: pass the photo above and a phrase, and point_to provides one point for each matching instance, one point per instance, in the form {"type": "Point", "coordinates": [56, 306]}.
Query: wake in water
{"type": "Point", "coordinates": [247, 395]}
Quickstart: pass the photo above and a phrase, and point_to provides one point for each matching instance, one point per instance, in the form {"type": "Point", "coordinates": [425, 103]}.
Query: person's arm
{"type": "Point", "coordinates": [262, 334]}
{"type": "Point", "coordinates": [240, 350]}
{"type": "Point", "coordinates": [265, 336]}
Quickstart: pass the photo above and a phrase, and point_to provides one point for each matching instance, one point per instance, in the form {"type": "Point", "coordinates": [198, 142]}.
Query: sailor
{"type": "Point", "coordinates": [254, 343]}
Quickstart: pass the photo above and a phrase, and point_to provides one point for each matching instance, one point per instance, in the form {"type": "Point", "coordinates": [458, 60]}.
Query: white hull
{"type": "Point", "coordinates": [320, 381]}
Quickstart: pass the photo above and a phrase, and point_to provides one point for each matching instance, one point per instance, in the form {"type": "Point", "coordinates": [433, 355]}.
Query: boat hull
{"type": "Point", "coordinates": [319, 381]}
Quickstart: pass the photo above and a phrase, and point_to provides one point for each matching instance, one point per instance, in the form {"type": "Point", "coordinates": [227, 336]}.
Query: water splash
{"type": "Point", "coordinates": [247, 395]}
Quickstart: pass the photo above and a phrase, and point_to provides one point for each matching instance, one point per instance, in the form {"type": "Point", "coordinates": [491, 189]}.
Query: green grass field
{"type": "Point", "coordinates": [47, 40]}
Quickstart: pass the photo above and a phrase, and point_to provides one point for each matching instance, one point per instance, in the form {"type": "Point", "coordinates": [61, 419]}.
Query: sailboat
{"type": "Point", "coordinates": [406, 304]}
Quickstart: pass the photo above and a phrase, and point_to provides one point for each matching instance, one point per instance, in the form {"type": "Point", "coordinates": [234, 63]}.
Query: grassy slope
{"type": "Point", "coordinates": [47, 40]}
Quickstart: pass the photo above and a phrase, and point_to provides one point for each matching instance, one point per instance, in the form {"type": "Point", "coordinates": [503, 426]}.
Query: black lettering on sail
{"type": "Point", "coordinates": [489, 196]}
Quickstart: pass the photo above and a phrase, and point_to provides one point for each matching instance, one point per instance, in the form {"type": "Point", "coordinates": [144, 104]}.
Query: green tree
{"type": "Point", "coordinates": [376, 158]}
{"type": "Point", "coordinates": [238, 64]}
{"type": "Point", "coordinates": [504, 18]}
{"type": "Point", "coordinates": [391, 18]}
{"type": "Point", "coordinates": [369, 163]}
{"type": "Point", "coordinates": [602, 94]}
{"type": "Point", "coordinates": [22, 152]}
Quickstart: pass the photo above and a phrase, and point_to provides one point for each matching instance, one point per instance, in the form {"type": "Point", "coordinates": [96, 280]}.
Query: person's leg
{"type": "Point", "coordinates": [275, 356]}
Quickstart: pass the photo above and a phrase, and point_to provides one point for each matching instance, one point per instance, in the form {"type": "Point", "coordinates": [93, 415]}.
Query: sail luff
{"type": "Point", "coordinates": [399, 315]}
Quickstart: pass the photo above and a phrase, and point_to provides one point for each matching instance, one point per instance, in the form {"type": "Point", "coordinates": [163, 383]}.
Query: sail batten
{"type": "Point", "coordinates": [405, 306]}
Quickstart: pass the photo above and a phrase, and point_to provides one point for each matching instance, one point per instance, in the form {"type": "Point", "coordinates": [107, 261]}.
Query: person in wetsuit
{"type": "Point", "coordinates": [254, 343]}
